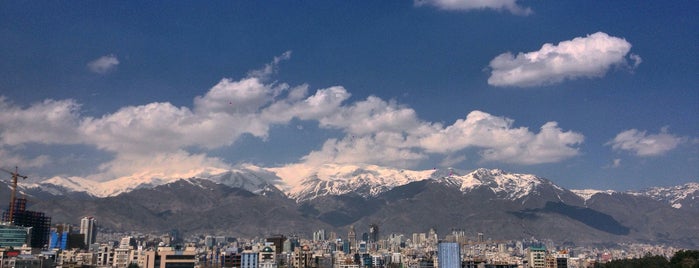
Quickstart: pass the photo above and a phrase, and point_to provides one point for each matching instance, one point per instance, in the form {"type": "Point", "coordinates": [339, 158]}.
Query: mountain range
{"type": "Point", "coordinates": [253, 201]}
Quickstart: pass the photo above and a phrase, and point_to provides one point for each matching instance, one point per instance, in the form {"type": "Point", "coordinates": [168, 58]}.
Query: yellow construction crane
{"type": "Point", "coordinates": [13, 195]}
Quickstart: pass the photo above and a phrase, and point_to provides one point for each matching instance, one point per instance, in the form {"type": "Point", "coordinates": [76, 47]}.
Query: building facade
{"type": "Point", "coordinates": [88, 228]}
{"type": "Point", "coordinates": [448, 255]}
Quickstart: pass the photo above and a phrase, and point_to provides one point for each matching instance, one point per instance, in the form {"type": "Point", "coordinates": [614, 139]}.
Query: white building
{"type": "Point", "coordinates": [88, 228]}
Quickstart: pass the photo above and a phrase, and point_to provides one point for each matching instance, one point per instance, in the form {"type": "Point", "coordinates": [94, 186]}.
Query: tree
{"type": "Point", "coordinates": [685, 259]}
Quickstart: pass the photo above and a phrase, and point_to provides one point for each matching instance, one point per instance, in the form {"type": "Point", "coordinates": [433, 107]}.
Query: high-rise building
{"type": "Point", "coordinates": [60, 236]}
{"type": "Point", "coordinates": [40, 224]}
{"type": "Point", "coordinates": [13, 236]}
{"type": "Point", "coordinates": [351, 238]}
{"type": "Point", "coordinates": [448, 255]}
{"type": "Point", "coordinates": [373, 233]}
{"type": "Point", "coordinates": [249, 259]}
{"type": "Point", "coordinates": [537, 257]}
{"type": "Point", "coordinates": [88, 228]}
{"type": "Point", "coordinates": [319, 235]}
{"type": "Point", "coordinates": [278, 242]}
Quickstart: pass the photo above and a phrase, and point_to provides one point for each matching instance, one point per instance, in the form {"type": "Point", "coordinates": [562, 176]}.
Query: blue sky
{"type": "Point", "coordinates": [589, 94]}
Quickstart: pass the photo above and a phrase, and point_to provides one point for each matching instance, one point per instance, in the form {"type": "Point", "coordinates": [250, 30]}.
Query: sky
{"type": "Point", "coordinates": [588, 94]}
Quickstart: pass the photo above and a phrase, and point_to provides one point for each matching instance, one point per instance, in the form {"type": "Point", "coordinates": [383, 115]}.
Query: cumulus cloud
{"type": "Point", "coordinates": [386, 149]}
{"type": "Point", "coordinates": [502, 142]}
{"type": "Point", "coordinates": [176, 164]}
{"type": "Point", "coordinates": [509, 5]}
{"type": "Point", "coordinates": [104, 64]}
{"type": "Point", "coordinates": [642, 144]}
{"type": "Point", "coordinates": [156, 139]}
{"type": "Point", "coordinates": [47, 122]}
{"type": "Point", "coordinates": [589, 56]}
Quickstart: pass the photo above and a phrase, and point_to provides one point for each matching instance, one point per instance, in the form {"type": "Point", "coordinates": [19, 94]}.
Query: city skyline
{"type": "Point", "coordinates": [588, 95]}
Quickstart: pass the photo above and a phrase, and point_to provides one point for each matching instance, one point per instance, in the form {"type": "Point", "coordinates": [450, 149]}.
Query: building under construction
{"type": "Point", "coordinates": [39, 223]}
{"type": "Point", "coordinates": [18, 215]}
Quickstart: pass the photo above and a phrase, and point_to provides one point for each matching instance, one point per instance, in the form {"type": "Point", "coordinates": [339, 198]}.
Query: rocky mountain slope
{"type": "Point", "coordinates": [253, 201]}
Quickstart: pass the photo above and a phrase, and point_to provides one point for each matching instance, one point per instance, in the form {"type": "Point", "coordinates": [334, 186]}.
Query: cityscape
{"type": "Point", "coordinates": [349, 134]}
{"type": "Point", "coordinates": [84, 246]}
{"type": "Point", "coordinates": [28, 239]}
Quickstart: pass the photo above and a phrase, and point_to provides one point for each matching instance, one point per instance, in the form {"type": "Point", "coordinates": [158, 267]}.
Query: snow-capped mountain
{"type": "Point", "coordinates": [251, 178]}
{"type": "Point", "coordinates": [330, 179]}
{"type": "Point", "coordinates": [686, 195]}
{"type": "Point", "coordinates": [676, 196]}
{"type": "Point", "coordinates": [368, 181]}
{"type": "Point", "coordinates": [338, 196]}
{"type": "Point", "coordinates": [510, 186]}
{"type": "Point", "coordinates": [363, 180]}
{"type": "Point", "coordinates": [63, 185]}
{"type": "Point", "coordinates": [586, 194]}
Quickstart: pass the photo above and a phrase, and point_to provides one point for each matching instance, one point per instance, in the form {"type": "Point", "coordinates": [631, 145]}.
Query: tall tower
{"type": "Point", "coordinates": [351, 237]}
{"type": "Point", "coordinates": [88, 228]}
{"type": "Point", "coordinates": [373, 233]}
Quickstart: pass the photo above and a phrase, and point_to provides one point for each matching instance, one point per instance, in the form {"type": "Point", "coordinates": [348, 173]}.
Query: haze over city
{"type": "Point", "coordinates": [587, 94]}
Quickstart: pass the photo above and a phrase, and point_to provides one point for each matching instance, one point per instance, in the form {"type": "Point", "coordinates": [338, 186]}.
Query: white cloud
{"type": "Point", "coordinates": [177, 164]}
{"type": "Point", "coordinates": [636, 60]}
{"type": "Point", "coordinates": [154, 139]}
{"type": "Point", "coordinates": [589, 56]}
{"type": "Point", "coordinates": [501, 142]}
{"type": "Point", "coordinates": [616, 163]}
{"type": "Point", "coordinates": [231, 97]}
{"type": "Point", "coordinates": [104, 64]}
{"type": "Point", "coordinates": [509, 5]}
{"type": "Point", "coordinates": [642, 144]}
{"type": "Point", "coordinates": [383, 149]}
{"type": "Point", "coordinates": [47, 122]}
{"type": "Point", "coordinates": [271, 67]}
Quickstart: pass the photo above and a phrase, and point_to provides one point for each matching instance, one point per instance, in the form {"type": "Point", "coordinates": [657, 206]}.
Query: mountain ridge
{"type": "Point", "coordinates": [508, 205]}
{"type": "Point", "coordinates": [366, 181]}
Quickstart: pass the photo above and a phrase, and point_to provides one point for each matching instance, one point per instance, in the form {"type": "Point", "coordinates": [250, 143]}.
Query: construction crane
{"type": "Point", "coordinates": [13, 195]}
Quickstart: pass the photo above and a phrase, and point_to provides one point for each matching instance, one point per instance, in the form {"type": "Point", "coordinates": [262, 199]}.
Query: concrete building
{"type": "Point", "coordinates": [249, 259]}
{"type": "Point", "coordinates": [302, 257]}
{"type": "Point", "coordinates": [88, 228]}
{"type": "Point", "coordinates": [537, 257]}
{"type": "Point", "coordinates": [267, 258]}
{"type": "Point", "coordinates": [168, 257]}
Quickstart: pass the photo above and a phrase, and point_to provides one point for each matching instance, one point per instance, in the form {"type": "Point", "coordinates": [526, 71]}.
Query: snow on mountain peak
{"type": "Point", "coordinates": [510, 185]}
{"type": "Point", "coordinates": [58, 185]}
{"type": "Point", "coordinates": [586, 194]}
{"type": "Point", "coordinates": [305, 183]}
{"type": "Point", "coordinates": [365, 180]}
{"type": "Point", "coordinates": [673, 195]}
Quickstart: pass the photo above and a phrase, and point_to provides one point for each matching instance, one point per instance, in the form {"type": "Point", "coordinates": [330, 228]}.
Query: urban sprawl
{"type": "Point", "coordinates": [27, 240]}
